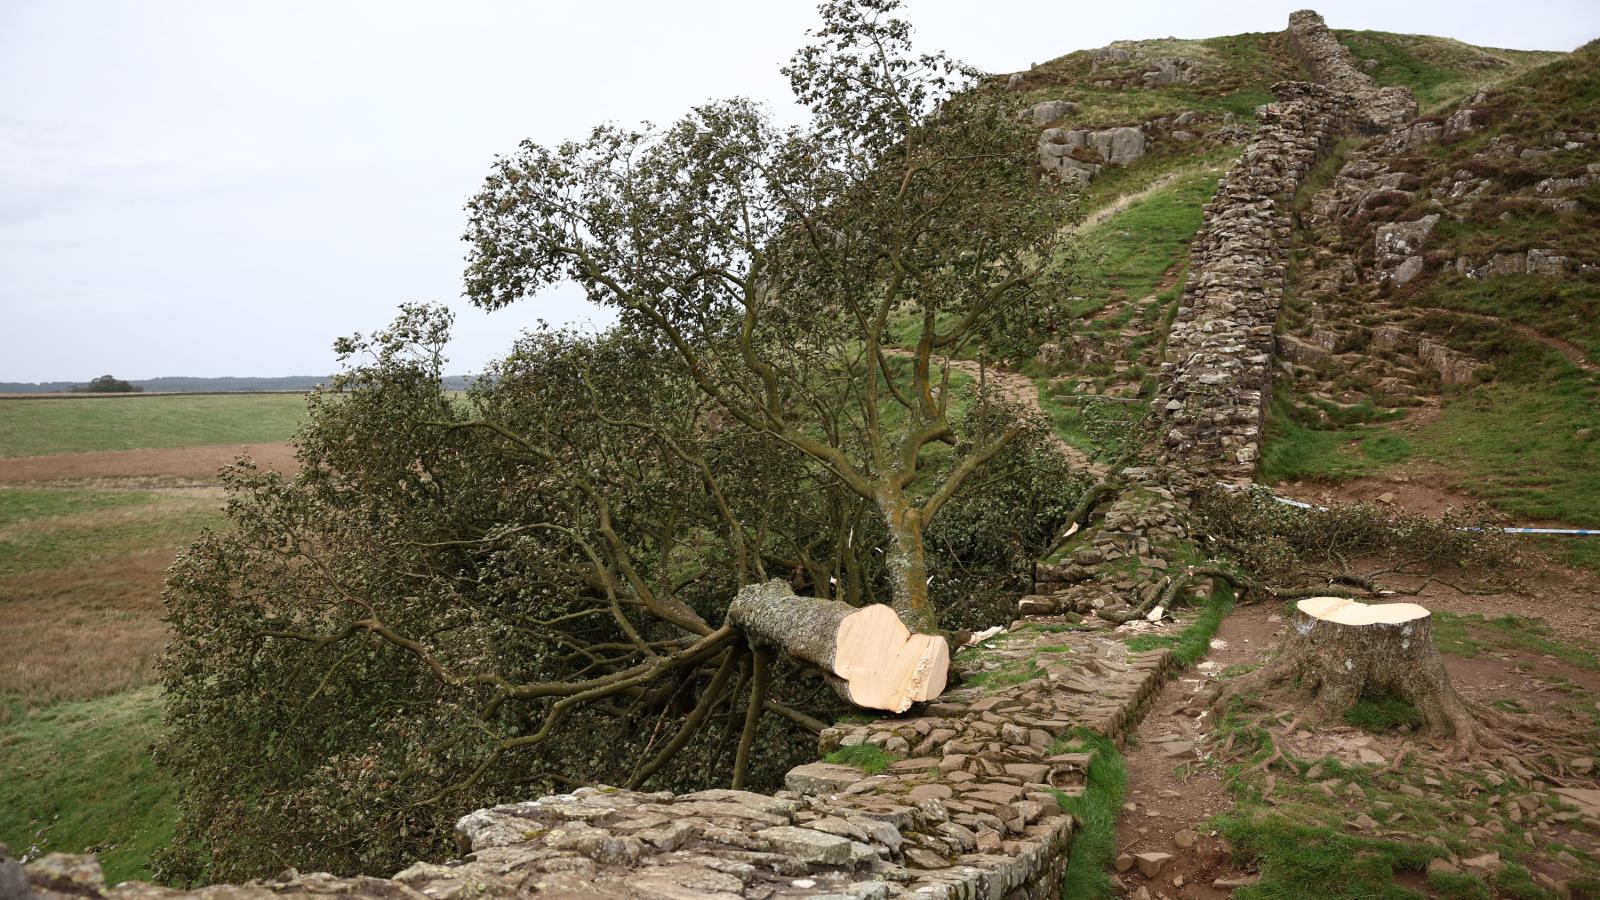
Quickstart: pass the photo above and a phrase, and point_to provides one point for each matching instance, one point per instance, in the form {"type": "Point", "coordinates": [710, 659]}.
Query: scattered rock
{"type": "Point", "coordinates": [1150, 863]}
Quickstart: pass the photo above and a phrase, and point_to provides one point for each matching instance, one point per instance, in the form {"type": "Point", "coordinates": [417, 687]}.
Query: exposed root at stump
{"type": "Point", "coordinates": [1339, 650]}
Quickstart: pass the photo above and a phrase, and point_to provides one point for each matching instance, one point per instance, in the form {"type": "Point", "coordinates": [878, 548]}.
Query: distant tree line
{"type": "Point", "coordinates": [107, 384]}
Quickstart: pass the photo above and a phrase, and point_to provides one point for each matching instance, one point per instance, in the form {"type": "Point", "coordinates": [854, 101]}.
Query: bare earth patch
{"type": "Point", "coordinates": [181, 462]}
{"type": "Point", "coordinates": [1169, 791]}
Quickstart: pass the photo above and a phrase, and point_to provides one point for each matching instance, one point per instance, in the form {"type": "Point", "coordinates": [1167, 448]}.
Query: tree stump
{"type": "Point", "coordinates": [867, 654]}
{"type": "Point", "coordinates": [1340, 650]}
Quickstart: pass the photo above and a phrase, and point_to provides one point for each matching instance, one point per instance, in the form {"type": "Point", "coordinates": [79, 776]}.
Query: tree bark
{"type": "Point", "coordinates": [1339, 650]}
{"type": "Point", "coordinates": [868, 655]}
{"type": "Point", "coordinates": [906, 560]}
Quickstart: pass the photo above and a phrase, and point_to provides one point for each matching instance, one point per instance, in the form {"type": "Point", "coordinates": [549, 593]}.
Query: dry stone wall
{"type": "Point", "coordinates": [1217, 378]}
{"type": "Point", "coordinates": [971, 813]}
{"type": "Point", "coordinates": [1330, 63]}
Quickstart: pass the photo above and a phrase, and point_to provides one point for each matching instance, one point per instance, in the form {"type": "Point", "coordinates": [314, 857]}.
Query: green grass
{"type": "Point", "coordinates": [1131, 251]}
{"type": "Point", "coordinates": [1436, 69]}
{"type": "Point", "coordinates": [1306, 439]}
{"type": "Point", "coordinates": [1473, 635]}
{"type": "Point", "coordinates": [1094, 844]}
{"type": "Point", "coordinates": [1191, 644]}
{"type": "Point", "coordinates": [1298, 861]}
{"type": "Point", "coordinates": [40, 427]}
{"type": "Point", "coordinates": [1380, 714]}
{"type": "Point", "coordinates": [20, 505]}
{"type": "Point", "coordinates": [78, 777]}
{"type": "Point", "coordinates": [869, 759]}
{"type": "Point", "coordinates": [1459, 886]}
{"type": "Point", "coordinates": [42, 530]}
{"type": "Point", "coordinates": [1523, 448]}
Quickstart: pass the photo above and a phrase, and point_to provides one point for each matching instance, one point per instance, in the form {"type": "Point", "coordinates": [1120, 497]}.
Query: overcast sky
{"type": "Point", "coordinates": [222, 188]}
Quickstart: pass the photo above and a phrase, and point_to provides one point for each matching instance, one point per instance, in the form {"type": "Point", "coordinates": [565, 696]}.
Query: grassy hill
{"type": "Point", "coordinates": [1521, 433]}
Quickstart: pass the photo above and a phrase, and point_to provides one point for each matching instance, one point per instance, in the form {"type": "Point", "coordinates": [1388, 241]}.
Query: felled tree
{"type": "Point", "coordinates": [781, 265]}
{"type": "Point", "coordinates": [462, 600]}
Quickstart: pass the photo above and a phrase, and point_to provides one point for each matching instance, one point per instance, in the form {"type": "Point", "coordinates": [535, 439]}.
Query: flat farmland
{"type": "Point", "coordinates": [60, 425]}
{"type": "Point", "coordinates": [97, 496]}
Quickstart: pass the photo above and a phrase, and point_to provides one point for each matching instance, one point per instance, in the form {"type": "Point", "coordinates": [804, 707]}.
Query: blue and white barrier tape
{"type": "Point", "coordinates": [1576, 532]}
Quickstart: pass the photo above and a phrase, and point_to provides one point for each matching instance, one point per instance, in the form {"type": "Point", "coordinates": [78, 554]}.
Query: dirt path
{"type": "Point", "coordinates": [1103, 214]}
{"type": "Point", "coordinates": [1168, 791]}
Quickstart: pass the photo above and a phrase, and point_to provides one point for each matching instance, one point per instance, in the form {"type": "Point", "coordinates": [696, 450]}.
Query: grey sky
{"type": "Point", "coordinates": [222, 188]}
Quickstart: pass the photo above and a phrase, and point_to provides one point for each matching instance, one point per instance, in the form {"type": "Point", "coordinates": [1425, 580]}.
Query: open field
{"type": "Point", "coordinates": [40, 427]}
{"type": "Point", "coordinates": [96, 497]}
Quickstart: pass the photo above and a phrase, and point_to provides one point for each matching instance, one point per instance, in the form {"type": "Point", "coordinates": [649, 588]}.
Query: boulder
{"type": "Point", "coordinates": [1052, 111]}
{"type": "Point", "coordinates": [1408, 269]}
{"type": "Point", "coordinates": [1118, 146]}
{"type": "Point", "coordinates": [1400, 239]}
{"type": "Point", "coordinates": [1546, 262]}
{"type": "Point", "coordinates": [820, 778]}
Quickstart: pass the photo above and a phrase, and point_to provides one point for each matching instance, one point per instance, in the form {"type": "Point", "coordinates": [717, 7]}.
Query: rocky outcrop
{"type": "Point", "coordinates": [1079, 155]}
{"type": "Point", "coordinates": [1330, 63]}
{"type": "Point", "coordinates": [1217, 377]}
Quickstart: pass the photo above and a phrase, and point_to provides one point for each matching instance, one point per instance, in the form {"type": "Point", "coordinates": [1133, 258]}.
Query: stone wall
{"type": "Point", "coordinates": [1217, 378]}
{"type": "Point", "coordinates": [969, 808]}
{"type": "Point", "coordinates": [1330, 63]}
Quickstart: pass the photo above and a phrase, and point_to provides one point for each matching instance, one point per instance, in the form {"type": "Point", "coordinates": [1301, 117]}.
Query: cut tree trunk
{"type": "Point", "coordinates": [1339, 650]}
{"type": "Point", "coordinates": [907, 564]}
{"type": "Point", "coordinates": [867, 654]}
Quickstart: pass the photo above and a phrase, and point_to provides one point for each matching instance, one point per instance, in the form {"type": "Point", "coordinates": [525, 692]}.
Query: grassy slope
{"type": "Point", "coordinates": [1526, 436]}
{"type": "Point", "coordinates": [1438, 70]}
{"type": "Point", "coordinates": [39, 427]}
{"type": "Point", "coordinates": [1126, 258]}
{"type": "Point", "coordinates": [78, 776]}
{"type": "Point", "coordinates": [80, 579]}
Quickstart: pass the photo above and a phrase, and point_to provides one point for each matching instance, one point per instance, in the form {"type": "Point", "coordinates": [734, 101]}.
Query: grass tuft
{"type": "Point", "coordinates": [1094, 844]}
{"type": "Point", "coordinates": [869, 759]}
{"type": "Point", "coordinates": [1190, 645]}
{"type": "Point", "coordinates": [1381, 714]}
